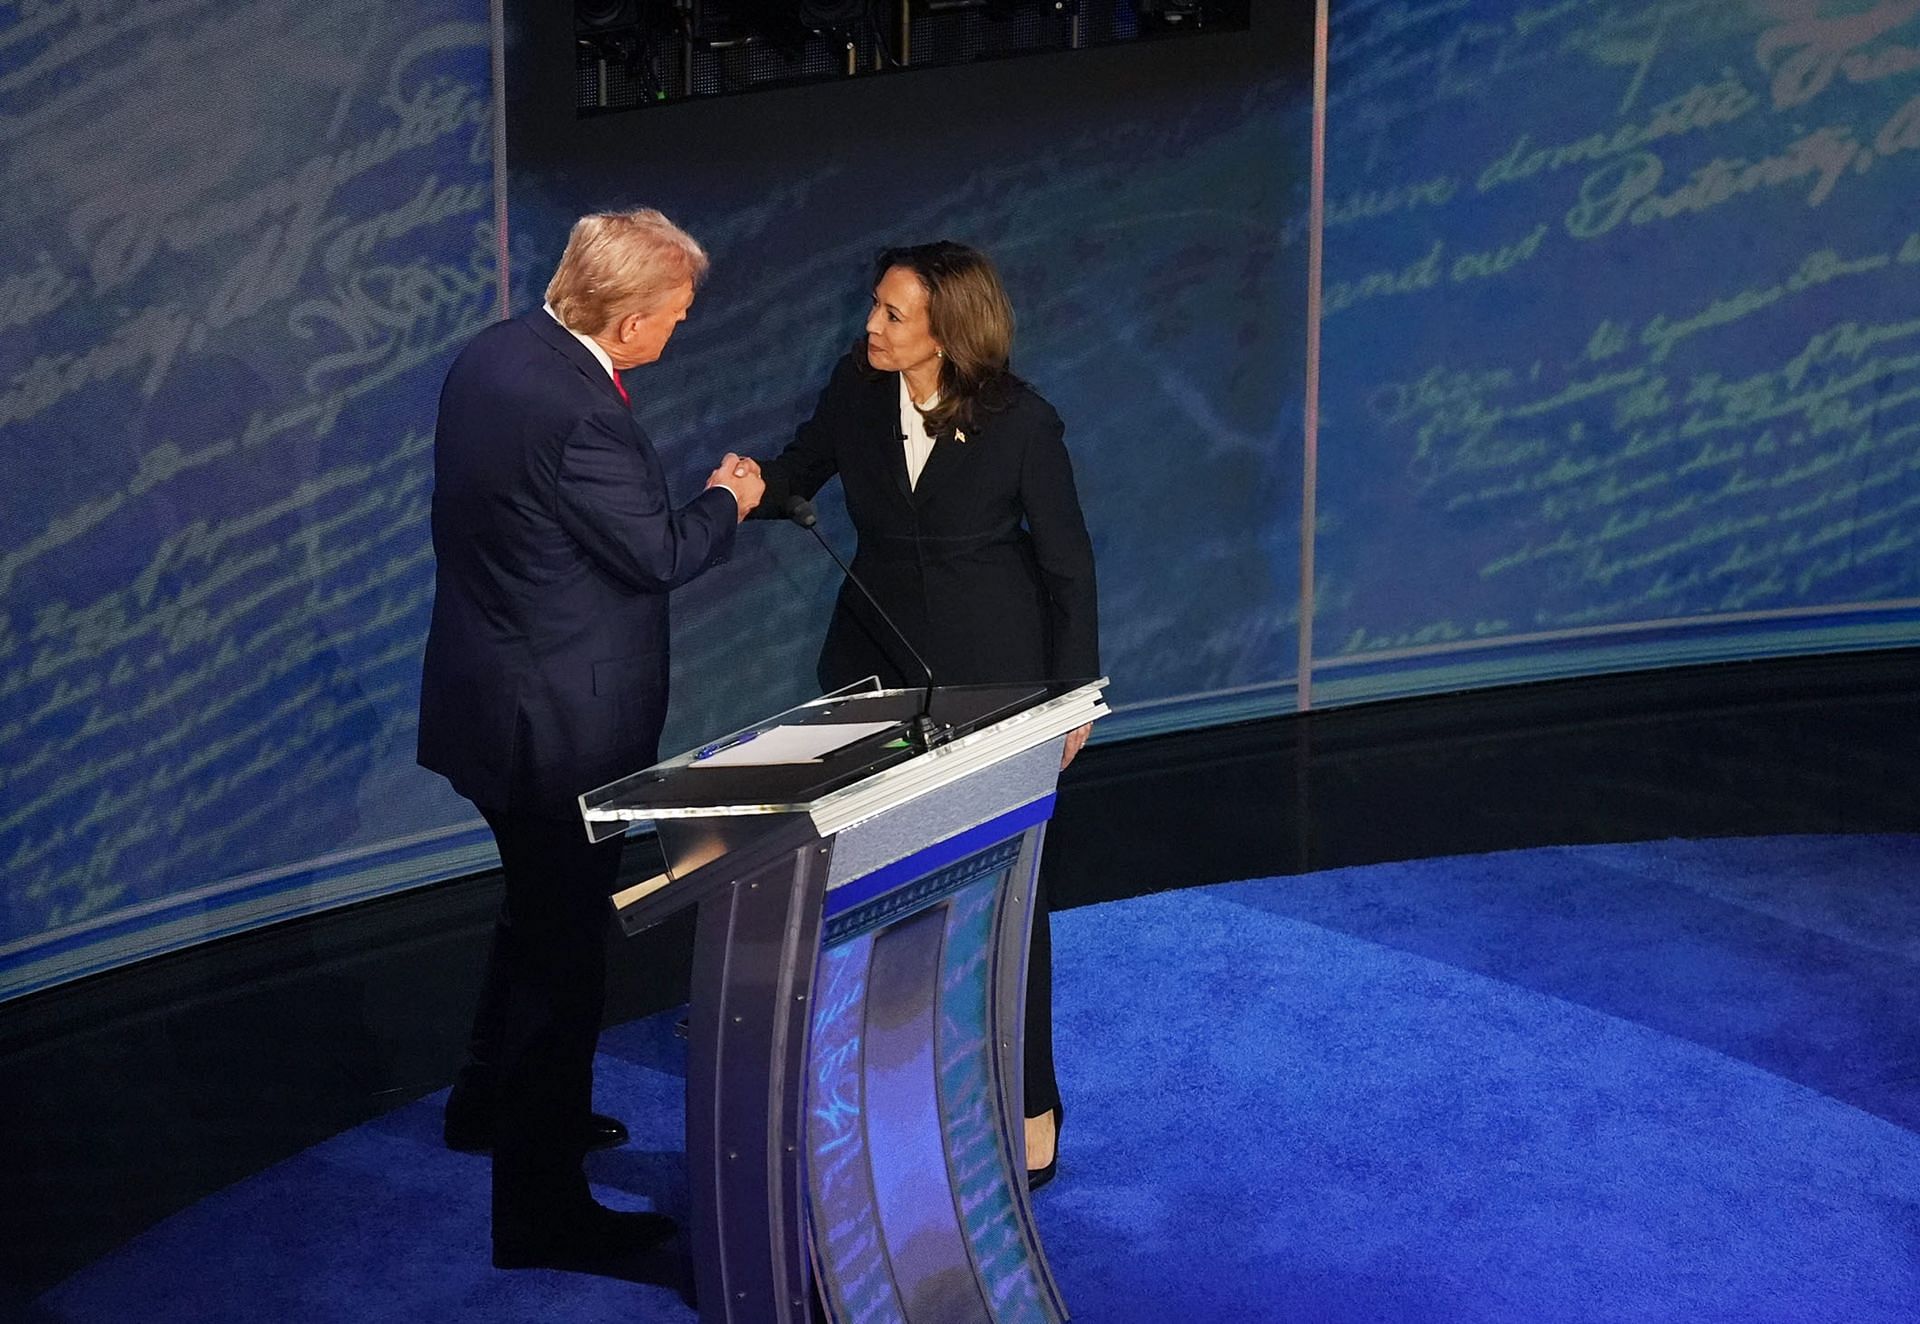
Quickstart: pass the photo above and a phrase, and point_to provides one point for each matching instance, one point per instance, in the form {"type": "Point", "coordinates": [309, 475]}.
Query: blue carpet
{"type": "Point", "coordinates": [1675, 1081]}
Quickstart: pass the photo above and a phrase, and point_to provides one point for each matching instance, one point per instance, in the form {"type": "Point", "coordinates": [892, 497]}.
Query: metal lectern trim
{"type": "Point", "coordinates": [936, 857]}
{"type": "Point", "coordinates": [755, 950]}
{"type": "Point", "coordinates": [611, 808]}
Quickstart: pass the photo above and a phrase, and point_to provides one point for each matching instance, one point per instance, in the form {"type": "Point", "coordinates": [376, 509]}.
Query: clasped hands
{"type": "Point", "coordinates": [740, 475]}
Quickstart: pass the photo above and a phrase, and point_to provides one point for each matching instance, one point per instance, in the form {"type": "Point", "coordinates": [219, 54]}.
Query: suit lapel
{"type": "Point", "coordinates": [884, 428]}
{"type": "Point", "coordinates": [947, 455]}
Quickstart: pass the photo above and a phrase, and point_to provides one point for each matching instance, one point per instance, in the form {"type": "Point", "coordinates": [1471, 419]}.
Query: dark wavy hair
{"type": "Point", "coordinates": [971, 320]}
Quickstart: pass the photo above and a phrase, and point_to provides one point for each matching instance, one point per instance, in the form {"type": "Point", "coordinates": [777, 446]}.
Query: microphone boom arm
{"type": "Point", "coordinates": [922, 732]}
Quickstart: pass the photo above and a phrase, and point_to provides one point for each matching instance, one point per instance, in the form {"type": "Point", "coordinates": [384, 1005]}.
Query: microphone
{"type": "Point", "coordinates": [921, 731]}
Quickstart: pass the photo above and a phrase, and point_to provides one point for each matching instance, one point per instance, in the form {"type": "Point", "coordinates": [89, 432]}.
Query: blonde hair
{"type": "Point", "coordinates": [620, 263]}
{"type": "Point", "coordinates": [971, 319]}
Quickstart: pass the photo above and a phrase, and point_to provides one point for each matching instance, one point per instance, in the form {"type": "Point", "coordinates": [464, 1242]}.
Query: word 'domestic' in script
{"type": "Point", "coordinates": [1622, 317]}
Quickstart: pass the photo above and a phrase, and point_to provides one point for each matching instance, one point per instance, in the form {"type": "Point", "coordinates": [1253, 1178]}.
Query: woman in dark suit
{"type": "Point", "coordinates": [970, 532]}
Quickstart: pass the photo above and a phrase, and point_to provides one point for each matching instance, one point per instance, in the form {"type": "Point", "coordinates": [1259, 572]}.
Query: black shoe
{"type": "Point", "coordinates": [597, 1240]}
{"type": "Point", "coordinates": [472, 1133]}
{"type": "Point", "coordinates": [1038, 1177]}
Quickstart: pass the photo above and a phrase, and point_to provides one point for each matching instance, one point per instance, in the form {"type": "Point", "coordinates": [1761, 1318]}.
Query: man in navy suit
{"type": "Point", "coordinates": [556, 544]}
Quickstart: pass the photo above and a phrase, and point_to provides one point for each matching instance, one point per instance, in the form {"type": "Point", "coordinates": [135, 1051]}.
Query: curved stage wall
{"type": "Point", "coordinates": [243, 242]}
{"type": "Point", "coordinates": [1614, 374]}
{"type": "Point", "coordinates": [1620, 362]}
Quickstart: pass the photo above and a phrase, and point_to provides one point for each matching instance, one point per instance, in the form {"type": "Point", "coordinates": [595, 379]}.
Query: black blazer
{"type": "Point", "coordinates": [555, 543]}
{"type": "Point", "coordinates": [985, 564]}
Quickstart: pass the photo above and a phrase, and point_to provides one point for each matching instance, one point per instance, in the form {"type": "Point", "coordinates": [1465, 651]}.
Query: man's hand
{"type": "Point", "coordinates": [740, 475]}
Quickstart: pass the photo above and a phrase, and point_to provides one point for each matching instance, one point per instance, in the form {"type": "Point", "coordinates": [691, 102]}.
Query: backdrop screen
{"type": "Point", "coordinates": [242, 242]}
{"type": "Point", "coordinates": [249, 238]}
{"type": "Point", "coordinates": [1620, 366]}
{"type": "Point", "coordinates": [1622, 359]}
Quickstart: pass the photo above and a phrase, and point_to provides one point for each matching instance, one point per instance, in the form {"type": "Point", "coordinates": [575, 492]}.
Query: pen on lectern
{"type": "Point", "coordinates": [709, 751]}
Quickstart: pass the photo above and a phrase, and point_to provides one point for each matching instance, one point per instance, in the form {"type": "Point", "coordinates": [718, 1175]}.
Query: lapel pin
{"type": "Point", "coordinates": [959, 436]}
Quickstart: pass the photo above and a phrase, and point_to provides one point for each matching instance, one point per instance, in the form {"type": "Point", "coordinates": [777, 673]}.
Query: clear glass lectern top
{"type": "Point", "coordinates": [687, 783]}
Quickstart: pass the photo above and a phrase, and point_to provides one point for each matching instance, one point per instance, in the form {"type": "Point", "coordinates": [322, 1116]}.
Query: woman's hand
{"type": "Point", "coordinates": [1075, 739]}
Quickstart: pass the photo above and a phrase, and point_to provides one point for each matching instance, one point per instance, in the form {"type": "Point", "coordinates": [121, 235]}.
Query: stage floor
{"type": "Point", "coordinates": [137, 1094]}
{"type": "Point", "coordinates": [1675, 1080]}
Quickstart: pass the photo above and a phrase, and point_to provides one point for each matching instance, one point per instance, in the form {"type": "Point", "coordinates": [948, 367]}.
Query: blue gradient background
{"type": "Point", "coordinates": [243, 244]}
{"type": "Point", "coordinates": [1618, 330]}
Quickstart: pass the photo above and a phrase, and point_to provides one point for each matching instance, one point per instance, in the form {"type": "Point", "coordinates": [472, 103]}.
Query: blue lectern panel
{"type": "Point", "coordinates": [914, 1198]}
{"type": "Point", "coordinates": [846, 1243]}
{"type": "Point", "coordinates": [975, 1154]}
{"type": "Point", "coordinates": [913, 1206]}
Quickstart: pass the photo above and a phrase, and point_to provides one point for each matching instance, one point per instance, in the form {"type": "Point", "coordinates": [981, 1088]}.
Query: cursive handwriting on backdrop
{"type": "Point", "coordinates": [1619, 316]}
{"type": "Point", "coordinates": [253, 234]}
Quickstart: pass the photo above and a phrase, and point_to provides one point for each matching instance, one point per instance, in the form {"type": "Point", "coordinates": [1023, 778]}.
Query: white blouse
{"type": "Point", "coordinates": [913, 431]}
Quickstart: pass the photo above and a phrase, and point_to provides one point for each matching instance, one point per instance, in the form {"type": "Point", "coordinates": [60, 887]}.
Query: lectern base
{"type": "Point", "coordinates": [909, 1154]}
{"type": "Point", "coordinates": [854, 1118]}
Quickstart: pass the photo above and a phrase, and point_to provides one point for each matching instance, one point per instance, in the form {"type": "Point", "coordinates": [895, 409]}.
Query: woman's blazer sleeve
{"type": "Point", "coordinates": [1064, 550]}
{"type": "Point", "coordinates": [813, 456]}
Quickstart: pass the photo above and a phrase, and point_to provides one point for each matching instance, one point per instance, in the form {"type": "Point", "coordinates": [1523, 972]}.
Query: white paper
{"type": "Point", "coordinates": [790, 744]}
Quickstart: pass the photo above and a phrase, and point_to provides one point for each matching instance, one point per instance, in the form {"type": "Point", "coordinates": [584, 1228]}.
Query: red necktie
{"type": "Point", "coordinates": [621, 387]}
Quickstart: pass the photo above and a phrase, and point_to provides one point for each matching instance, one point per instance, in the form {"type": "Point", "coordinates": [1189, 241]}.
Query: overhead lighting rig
{"type": "Point", "coordinates": [632, 53]}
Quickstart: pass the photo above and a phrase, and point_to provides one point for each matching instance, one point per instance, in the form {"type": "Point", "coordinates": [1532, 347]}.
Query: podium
{"type": "Point", "coordinates": [854, 1118]}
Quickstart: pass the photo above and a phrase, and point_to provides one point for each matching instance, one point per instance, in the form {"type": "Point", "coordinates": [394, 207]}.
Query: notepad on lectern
{"type": "Point", "coordinates": [787, 744]}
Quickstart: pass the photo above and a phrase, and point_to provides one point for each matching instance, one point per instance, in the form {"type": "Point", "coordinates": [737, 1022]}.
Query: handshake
{"type": "Point", "coordinates": [740, 475]}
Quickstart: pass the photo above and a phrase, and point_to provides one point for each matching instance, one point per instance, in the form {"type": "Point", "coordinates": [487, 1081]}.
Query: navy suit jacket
{"type": "Point", "coordinates": [556, 544]}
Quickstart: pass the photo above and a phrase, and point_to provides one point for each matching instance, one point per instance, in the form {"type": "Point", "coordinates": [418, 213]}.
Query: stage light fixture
{"type": "Point", "coordinates": [608, 31]}
{"type": "Point", "coordinates": [636, 52]}
{"type": "Point", "coordinates": [834, 15]}
{"type": "Point", "coordinates": [1190, 15]}
{"type": "Point", "coordinates": [627, 53]}
{"type": "Point", "coordinates": [1167, 13]}
{"type": "Point", "coordinates": [596, 16]}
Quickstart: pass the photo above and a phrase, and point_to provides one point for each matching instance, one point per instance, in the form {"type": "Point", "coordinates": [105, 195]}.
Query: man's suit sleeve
{"type": "Point", "coordinates": [1064, 550]}
{"type": "Point", "coordinates": [804, 467]}
{"type": "Point", "coordinates": [613, 501]}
